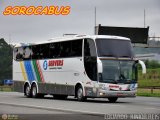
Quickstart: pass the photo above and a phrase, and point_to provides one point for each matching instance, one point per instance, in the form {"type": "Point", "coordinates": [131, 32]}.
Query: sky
{"type": "Point", "coordinates": [81, 20]}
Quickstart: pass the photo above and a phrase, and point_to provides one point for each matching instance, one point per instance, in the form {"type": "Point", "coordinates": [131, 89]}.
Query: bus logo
{"type": "Point", "coordinates": [55, 63]}
{"type": "Point", "coordinates": [45, 65]}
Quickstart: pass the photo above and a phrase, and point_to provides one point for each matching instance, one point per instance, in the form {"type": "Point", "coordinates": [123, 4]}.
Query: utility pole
{"type": "Point", "coordinates": [144, 18]}
{"type": "Point", "coordinates": [95, 17]}
{"type": "Point", "coordinates": [95, 20]}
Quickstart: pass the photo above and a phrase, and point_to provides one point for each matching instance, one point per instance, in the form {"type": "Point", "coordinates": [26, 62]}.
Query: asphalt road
{"type": "Point", "coordinates": [16, 104]}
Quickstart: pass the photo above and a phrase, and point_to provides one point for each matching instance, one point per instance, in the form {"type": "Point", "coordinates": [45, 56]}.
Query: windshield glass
{"type": "Point", "coordinates": [114, 48]}
{"type": "Point", "coordinates": [118, 71]}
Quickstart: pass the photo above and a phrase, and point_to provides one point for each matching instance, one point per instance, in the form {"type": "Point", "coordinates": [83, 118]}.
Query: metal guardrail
{"type": "Point", "coordinates": [151, 87]}
{"type": "Point", "coordinates": [6, 88]}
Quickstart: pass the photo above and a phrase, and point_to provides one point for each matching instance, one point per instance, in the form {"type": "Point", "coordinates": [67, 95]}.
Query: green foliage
{"type": "Point", "coordinates": [151, 78]}
{"type": "Point", "coordinates": [152, 64]}
{"type": "Point", "coordinates": [5, 61]}
{"type": "Point", "coordinates": [6, 88]}
{"type": "Point", "coordinates": [148, 93]}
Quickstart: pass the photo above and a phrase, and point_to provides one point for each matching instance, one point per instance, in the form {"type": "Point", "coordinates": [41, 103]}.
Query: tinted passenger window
{"type": "Point", "coordinates": [18, 53]}
{"type": "Point", "coordinates": [44, 51]}
{"type": "Point", "coordinates": [35, 52]}
{"type": "Point", "coordinates": [76, 48]}
{"type": "Point", "coordinates": [50, 50]}
{"type": "Point", "coordinates": [27, 52]}
{"type": "Point", "coordinates": [54, 50]}
{"type": "Point", "coordinates": [65, 49]}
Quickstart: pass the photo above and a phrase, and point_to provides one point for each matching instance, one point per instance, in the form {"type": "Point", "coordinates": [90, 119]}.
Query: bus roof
{"type": "Point", "coordinates": [75, 37]}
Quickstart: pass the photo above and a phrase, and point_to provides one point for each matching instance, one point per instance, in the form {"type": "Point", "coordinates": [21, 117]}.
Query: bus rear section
{"type": "Point", "coordinates": [82, 66]}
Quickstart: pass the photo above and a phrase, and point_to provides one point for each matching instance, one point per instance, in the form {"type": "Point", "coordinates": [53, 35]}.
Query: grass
{"type": "Point", "coordinates": [148, 82]}
{"type": "Point", "coordinates": [147, 92]}
{"type": "Point", "coordinates": [151, 78]}
{"type": "Point", "coordinates": [6, 88]}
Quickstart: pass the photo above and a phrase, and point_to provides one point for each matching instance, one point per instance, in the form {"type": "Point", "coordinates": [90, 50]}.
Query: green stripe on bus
{"type": "Point", "coordinates": [36, 71]}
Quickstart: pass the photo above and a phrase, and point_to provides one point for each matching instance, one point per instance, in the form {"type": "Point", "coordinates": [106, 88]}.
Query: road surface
{"type": "Point", "coordinates": [17, 104]}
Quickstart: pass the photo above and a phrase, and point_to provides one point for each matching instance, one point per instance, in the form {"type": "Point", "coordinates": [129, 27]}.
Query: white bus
{"type": "Point", "coordinates": [83, 66]}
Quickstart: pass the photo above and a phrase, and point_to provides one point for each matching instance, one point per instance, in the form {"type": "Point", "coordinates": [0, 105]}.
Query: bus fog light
{"type": "Point", "coordinates": [101, 94]}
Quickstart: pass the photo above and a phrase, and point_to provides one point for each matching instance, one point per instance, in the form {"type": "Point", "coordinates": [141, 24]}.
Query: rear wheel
{"type": "Point", "coordinates": [34, 93]}
{"type": "Point", "coordinates": [27, 91]}
{"type": "Point", "coordinates": [112, 99]}
{"type": "Point", "coordinates": [80, 96]}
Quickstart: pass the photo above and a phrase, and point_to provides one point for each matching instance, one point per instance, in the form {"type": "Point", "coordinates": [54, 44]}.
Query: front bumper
{"type": "Point", "coordinates": [91, 92]}
{"type": "Point", "coordinates": [105, 93]}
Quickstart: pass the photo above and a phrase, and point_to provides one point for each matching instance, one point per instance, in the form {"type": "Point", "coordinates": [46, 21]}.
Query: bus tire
{"type": "Point", "coordinates": [34, 93]}
{"type": "Point", "coordinates": [80, 96]}
{"type": "Point", "coordinates": [112, 99]}
{"type": "Point", "coordinates": [27, 91]}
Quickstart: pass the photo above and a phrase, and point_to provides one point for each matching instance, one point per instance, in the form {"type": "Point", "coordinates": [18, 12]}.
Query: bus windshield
{"type": "Point", "coordinates": [118, 72]}
{"type": "Point", "coordinates": [114, 48]}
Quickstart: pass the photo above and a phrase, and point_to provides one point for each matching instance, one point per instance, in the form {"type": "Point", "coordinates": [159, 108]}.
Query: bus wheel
{"type": "Point", "coordinates": [27, 91]}
{"type": "Point", "coordinates": [34, 92]}
{"type": "Point", "coordinates": [80, 96]}
{"type": "Point", "coordinates": [112, 99]}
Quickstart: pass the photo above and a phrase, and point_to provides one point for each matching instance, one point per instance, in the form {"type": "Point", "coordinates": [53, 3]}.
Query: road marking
{"type": "Point", "coordinates": [152, 108]}
{"type": "Point", "coordinates": [113, 105]}
{"type": "Point", "coordinates": [57, 109]}
{"type": "Point", "coordinates": [154, 103]}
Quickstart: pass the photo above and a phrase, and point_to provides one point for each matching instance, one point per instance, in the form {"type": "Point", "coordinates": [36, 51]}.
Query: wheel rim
{"type": "Point", "coordinates": [34, 91]}
{"type": "Point", "coordinates": [27, 90]}
{"type": "Point", "coordinates": [80, 93]}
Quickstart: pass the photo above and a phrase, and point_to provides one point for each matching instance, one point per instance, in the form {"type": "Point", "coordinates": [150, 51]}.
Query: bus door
{"type": "Point", "coordinates": [90, 59]}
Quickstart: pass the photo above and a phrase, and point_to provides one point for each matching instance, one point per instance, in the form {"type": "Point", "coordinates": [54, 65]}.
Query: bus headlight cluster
{"type": "Point", "coordinates": [102, 87]}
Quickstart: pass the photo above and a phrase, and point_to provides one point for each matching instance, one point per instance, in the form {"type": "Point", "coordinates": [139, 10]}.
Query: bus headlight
{"type": "Point", "coordinates": [102, 87]}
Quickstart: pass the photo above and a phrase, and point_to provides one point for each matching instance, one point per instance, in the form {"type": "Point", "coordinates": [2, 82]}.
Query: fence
{"type": "Point", "coordinates": [151, 88]}
{"type": "Point", "coordinates": [6, 88]}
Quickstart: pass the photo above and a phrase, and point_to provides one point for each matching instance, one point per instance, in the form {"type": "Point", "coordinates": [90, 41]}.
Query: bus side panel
{"type": "Point", "coordinates": [51, 79]}
{"type": "Point", "coordinates": [18, 76]}
{"type": "Point", "coordinates": [49, 88]}
{"type": "Point", "coordinates": [61, 79]}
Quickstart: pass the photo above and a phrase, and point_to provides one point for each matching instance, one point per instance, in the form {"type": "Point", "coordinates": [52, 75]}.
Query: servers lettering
{"type": "Point", "coordinates": [55, 63]}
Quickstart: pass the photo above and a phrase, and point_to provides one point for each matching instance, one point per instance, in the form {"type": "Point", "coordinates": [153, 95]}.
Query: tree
{"type": "Point", "coordinates": [5, 61]}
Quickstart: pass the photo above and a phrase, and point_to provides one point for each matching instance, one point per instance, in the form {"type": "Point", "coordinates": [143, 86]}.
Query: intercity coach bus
{"type": "Point", "coordinates": [83, 66]}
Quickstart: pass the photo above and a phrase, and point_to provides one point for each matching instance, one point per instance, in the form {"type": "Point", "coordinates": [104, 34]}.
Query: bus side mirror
{"type": "Point", "coordinates": [143, 66]}
{"type": "Point", "coordinates": [99, 65]}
